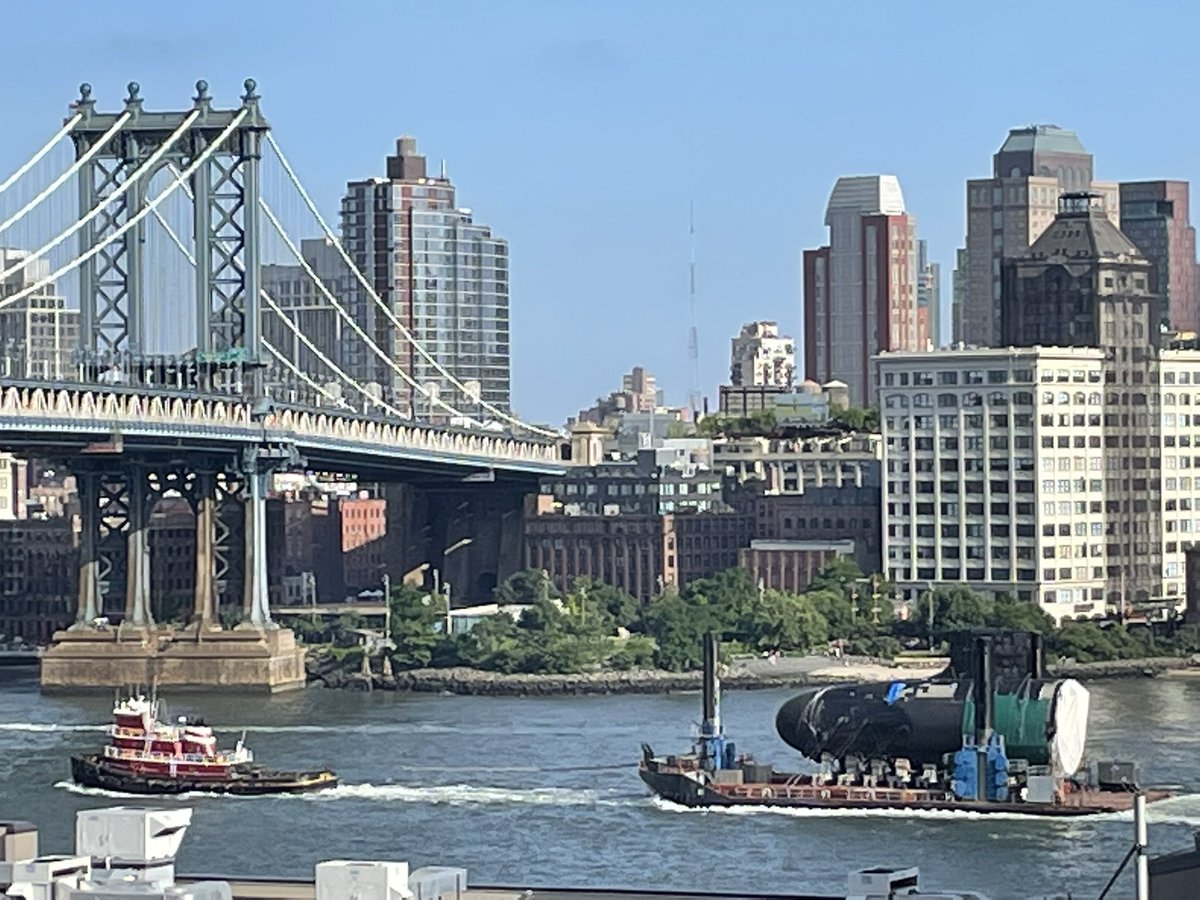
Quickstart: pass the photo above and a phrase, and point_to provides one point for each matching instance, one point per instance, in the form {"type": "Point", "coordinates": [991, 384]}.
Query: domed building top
{"type": "Point", "coordinates": [809, 386]}
{"type": "Point", "coordinates": [1042, 139]}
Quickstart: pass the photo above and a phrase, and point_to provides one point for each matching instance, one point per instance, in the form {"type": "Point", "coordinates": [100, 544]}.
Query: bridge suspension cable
{"type": "Point", "coordinates": [295, 329]}
{"type": "Point", "coordinates": [341, 310]}
{"type": "Point", "coordinates": [16, 176]}
{"type": "Point", "coordinates": [60, 180]}
{"type": "Point", "coordinates": [133, 220]}
{"type": "Point", "coordinates": [103, 203]}
{"type": "Point", "coordinates": [391, 316]}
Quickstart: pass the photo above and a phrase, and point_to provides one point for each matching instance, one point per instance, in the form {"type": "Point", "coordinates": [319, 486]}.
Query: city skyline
{"type": "Point", "coordinates": [614, 86]}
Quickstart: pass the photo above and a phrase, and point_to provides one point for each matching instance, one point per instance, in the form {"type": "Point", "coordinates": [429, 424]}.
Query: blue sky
{"type": "Point", "coordinates": [580, 131]}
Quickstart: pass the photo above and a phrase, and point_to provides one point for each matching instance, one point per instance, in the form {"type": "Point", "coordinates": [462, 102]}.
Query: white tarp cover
{"type": "Point", "coordinates": [1069, 702]}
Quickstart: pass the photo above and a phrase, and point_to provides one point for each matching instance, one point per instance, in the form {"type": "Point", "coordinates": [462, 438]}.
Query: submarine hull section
{"type": "Point", "coordinates": [1044, 722]}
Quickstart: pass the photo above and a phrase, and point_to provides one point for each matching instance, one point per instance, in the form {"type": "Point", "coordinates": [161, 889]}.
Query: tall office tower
{"type": "Point", "coordinates": [958, 297]}
{"type": "Point", "coordinates": [760, 355]}
{"type": "Point", "coordinates": [1008, 212]}
{"type": "Point", "coordinates": [1084, 284]}
{"type": "Point", "coordinates": [38, 335]}
{"type": "Point", "coordinates": [1154, 215]}
{"type": "Point", "coordinates": [929, 293]}
{"type": "Point", "coordinates": [860, 291]}
{"type": "Point", "coordinates": [445, 279]}
{"type": "Point", "coordinates": [306, 305]}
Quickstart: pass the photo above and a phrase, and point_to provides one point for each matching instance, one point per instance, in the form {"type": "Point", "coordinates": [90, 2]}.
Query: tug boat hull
{"type": "Point", "coordinates": [692, 789]}
{"type": "Point", "coordinates": [95, 771]}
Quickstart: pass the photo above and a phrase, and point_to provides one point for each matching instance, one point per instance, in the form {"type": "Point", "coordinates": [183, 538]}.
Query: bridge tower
{"type": "Point", "coordinates": [220, 151]}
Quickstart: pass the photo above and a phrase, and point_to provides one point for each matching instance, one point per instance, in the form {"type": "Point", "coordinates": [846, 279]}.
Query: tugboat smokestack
{"type": "Point", "coordinates": [712, 687]}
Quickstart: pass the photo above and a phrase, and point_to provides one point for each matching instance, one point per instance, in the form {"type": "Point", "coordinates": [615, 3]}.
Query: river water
{"type": "Point", "coordinates": [544, 792]}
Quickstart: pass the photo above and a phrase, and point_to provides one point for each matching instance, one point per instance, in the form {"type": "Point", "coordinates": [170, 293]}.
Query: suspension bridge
{"type": "Point", "coordinates": [143, 349]}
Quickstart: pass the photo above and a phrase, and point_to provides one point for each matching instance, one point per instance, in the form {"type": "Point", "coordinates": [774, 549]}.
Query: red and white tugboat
{"type": "Point", "coordinates": [146, 756]}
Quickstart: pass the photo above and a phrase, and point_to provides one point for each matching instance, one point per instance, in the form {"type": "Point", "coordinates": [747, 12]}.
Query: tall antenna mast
{"type": "Point", "coordinates": [695, 398]}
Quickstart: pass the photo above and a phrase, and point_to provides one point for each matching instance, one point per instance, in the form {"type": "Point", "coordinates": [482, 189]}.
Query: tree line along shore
{"type": "Point", "coordinates": [595, 638]}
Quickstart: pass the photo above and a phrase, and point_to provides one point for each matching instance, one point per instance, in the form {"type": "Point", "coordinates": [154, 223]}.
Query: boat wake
{"type": "Point", "coordinates": [433, 795]}
{"type": "Point", "coordinates": [420, 728]}
{"type": "Point", "coordinates": [467, 794]}
{"type": "Point", "coordinates": [121, 795]}
{"type": "Point", "coordinates": [381, 729]}
{"type": "Point", "coordinates": [1184, 810]}
{"type": "Point", "coordinates": [46, 727]}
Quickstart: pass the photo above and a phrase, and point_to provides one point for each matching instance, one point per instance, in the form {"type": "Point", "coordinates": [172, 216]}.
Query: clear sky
{"type": "Point", "coordinates": [580, 131]}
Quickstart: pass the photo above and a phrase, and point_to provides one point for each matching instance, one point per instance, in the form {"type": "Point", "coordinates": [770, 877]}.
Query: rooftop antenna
{"type": "Point", "coordinates": [694, 396]}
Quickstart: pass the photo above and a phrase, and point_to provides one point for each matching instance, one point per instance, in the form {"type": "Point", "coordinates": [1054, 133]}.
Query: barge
{"type": "Point", "coordinates": [991, 734]}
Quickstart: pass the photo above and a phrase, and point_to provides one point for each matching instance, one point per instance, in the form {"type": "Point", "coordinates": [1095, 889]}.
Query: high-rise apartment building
{"type": "Point", "coordinates": [1008, 212]}
{"type": "Point", "coordinates": [442, 275]}
{"type": "Point", "coordinates": [929, 293]}
{"type": "Point", "coordinates": [1154, 215]}
{"type": "Point", "coordinates": [38, 335]}
{"type": "Point", "coordinates": [860, 291]}
{"type": "Point", "coordinates": [761, 356]}
{"type": "Point", "coordinates": [306, 305]}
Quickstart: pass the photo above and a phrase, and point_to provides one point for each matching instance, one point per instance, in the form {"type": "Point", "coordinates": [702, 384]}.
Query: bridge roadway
{"type": "Point", "coordinates": [57, 419]}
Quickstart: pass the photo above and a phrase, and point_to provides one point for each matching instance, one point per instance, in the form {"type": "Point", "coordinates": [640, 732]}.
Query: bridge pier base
{"type": "Point", "coordinates": [246, 660]}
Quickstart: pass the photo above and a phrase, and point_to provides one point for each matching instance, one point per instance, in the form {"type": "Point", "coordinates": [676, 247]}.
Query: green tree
{"type": "Point", "coordinates": [840, 574]}
{"type": "Point", "coordinates": [856, 418]}
{"type": "Point", "coordinates": [597, 598]}
{"type": "Point", "coordinates": [841, 618]}
{"type": "Point", "coordinates": [721, 600]}
{"type": "Point", "coordinates": [678, 629]}
{"type": "Point", "coordinates": [1084, 642]}
{"type": "Point", "coordinates": [415, 618]}
{"type": "Point", "coordinates": [525, 587]}
{"type": "Point", "coordinates": [633, 652]}
{"type": "Point", "coordinates": [493, 644]}
{"type": "Point", "coordinates": [782, 621]}
{"type": "Point", "coordinates": [955, 608]}
{"type": "Point", "coordinates": [1020, 615]}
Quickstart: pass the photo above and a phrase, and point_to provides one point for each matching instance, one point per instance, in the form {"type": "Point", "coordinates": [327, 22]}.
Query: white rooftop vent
{"type": "Point", "coordinates": [342, 879]}
{"type": "Point", "coordinates": [128, 835]}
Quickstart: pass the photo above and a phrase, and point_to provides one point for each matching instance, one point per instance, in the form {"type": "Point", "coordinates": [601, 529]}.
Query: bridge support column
{"type": "Point", "coordinates": [88, 608]}
{"type": "Point", "coordinates": [204, 609]}
{"type": "Point", "coordinates": [137, 576]}
{"type": "Point", "coordinates": [255, 597]}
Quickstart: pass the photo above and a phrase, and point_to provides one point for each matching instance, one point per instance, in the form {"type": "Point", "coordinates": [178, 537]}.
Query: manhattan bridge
{"type": "Point", "coordinates": [149, 232]}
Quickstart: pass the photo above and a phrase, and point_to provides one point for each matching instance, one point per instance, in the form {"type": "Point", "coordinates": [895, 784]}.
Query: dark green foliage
{"type": "Point", "coordinates": [855, 418]}
{"type": "Point", "coordinates": [525, 587]}
{"type": "Point", "coordinates": [415, 617]}
{"type": "Point", "coordinates": [677, 628]}
{"type": "Point", "coordinates": [588, 628]}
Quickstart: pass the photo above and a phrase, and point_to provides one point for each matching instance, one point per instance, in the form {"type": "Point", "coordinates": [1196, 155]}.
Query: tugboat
{"type": "Point", "coordinates": [990, 734]}
{"type": "Point", "coordinates": [146, 756]}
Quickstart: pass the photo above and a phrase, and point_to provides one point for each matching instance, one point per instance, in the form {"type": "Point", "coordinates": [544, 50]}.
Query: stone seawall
{"type": "Point", "coordinates": [752, 675]}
